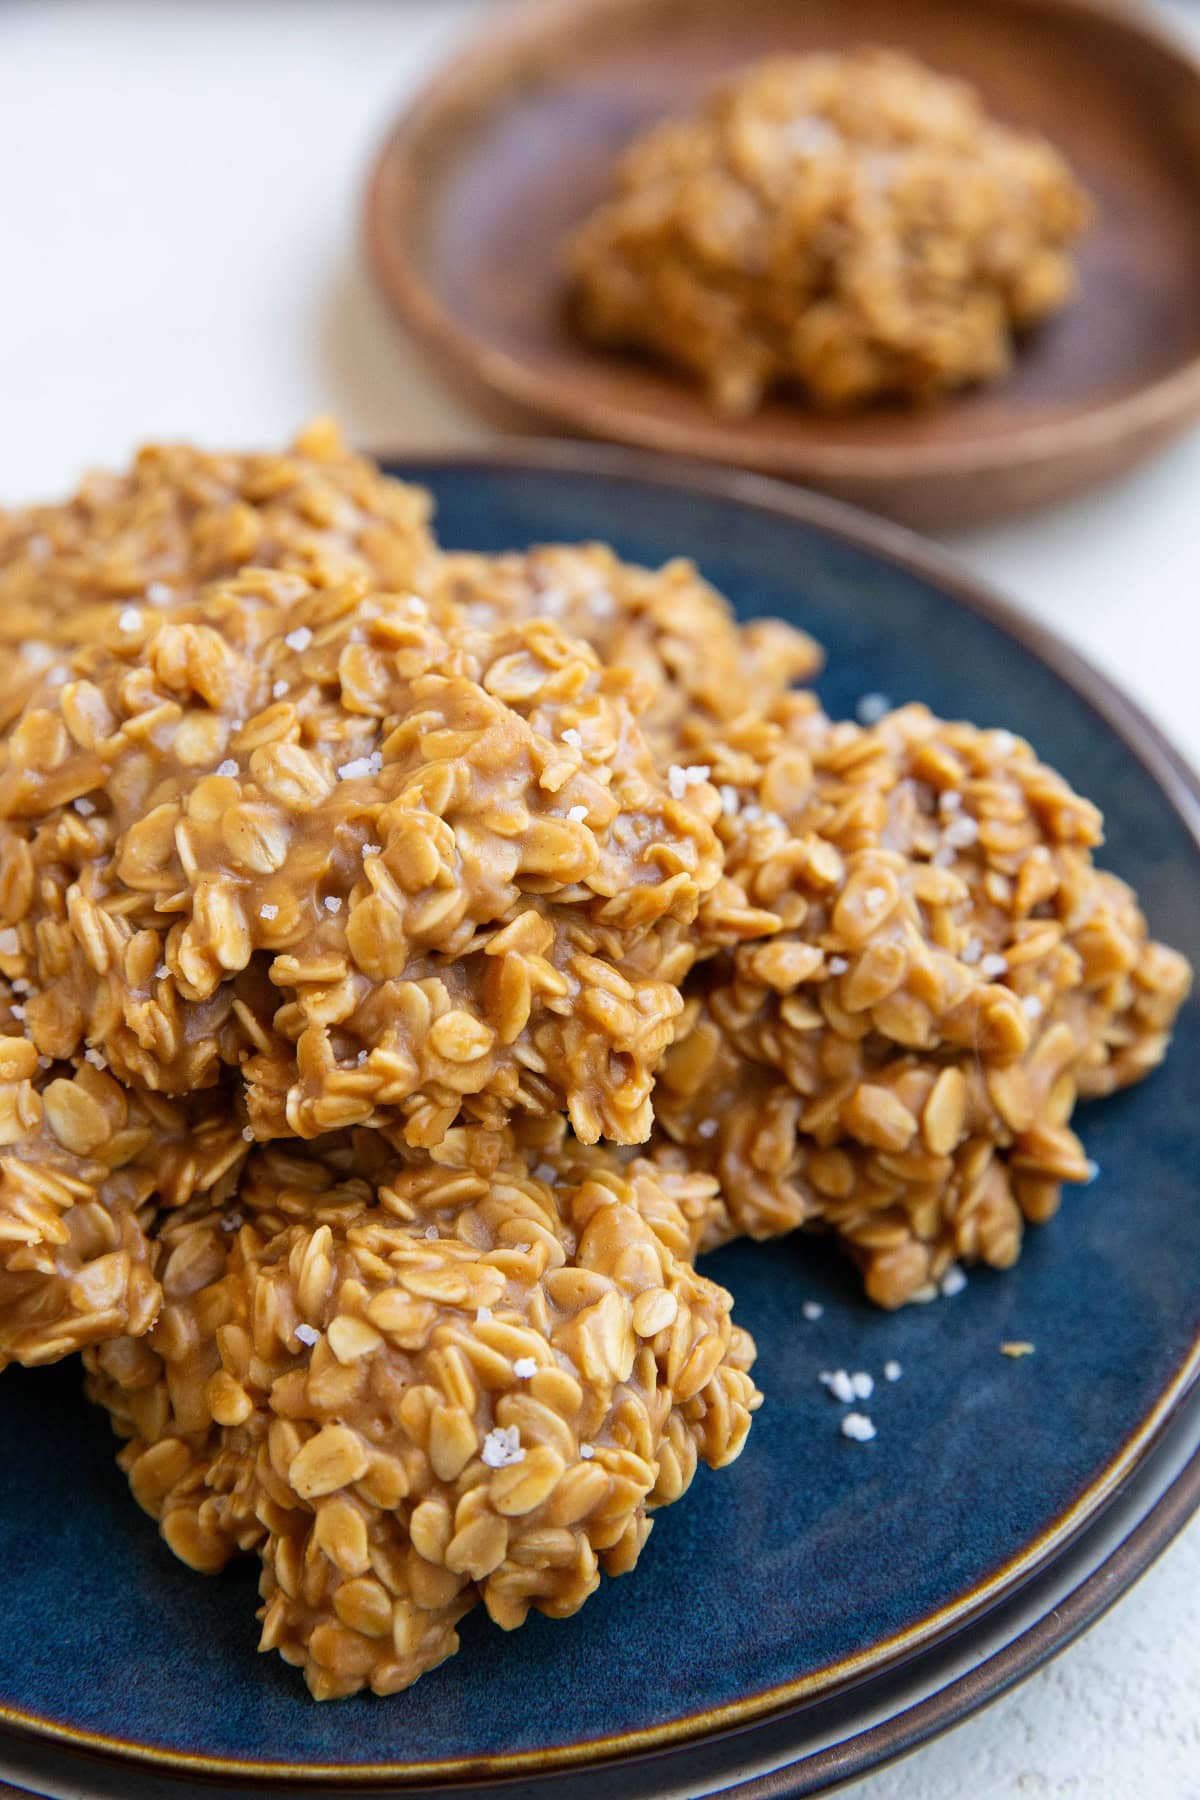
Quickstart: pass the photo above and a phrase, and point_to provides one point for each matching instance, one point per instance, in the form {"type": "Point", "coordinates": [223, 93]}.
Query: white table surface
{"type": "Point", "coordinates": [179, 258]}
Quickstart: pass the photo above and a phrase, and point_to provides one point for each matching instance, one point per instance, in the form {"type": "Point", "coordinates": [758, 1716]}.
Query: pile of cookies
{"type": "Point", "coordinates": [410, 961]}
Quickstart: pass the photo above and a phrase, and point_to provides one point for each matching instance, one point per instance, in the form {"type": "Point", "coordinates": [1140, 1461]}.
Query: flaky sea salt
{"type": "Point", "coordinates": [544, 1172]}
{"type": "Point", "coordinates": [159, 594]}
{"type": "Point", "coordinates": [356, 769]}
{"type": "Point", "coordinates": [372, 849]}
{"type": "Point", "coordinates": [130, 619]}
{"type": "Point", "coordinates": [838, 965]}
{"type": "Point", "coordinates": [525, 1367]}
{"type": "Point", "coordinates": [993, 966]}
{"type": "Point", "coordinates": [333, 903]}
{"type": "Point", "coordinates": [892, 1370]}
{"type": "Point", "coordinates": [85, 808]}
{"type": "Point", "coordinates": [279, 690]}
{"type": "Point", "coordinates": [502, 1447]}
{"type": "Point", "coordinates": [1033, 1006]}
{"type": "Point", "coordinates": [572, 737]}
{"type": "Point", "coordinates": [228, 767]}
{"type": "Point", "coordinates": [812, 1309]}
{"type": "Point", "coordinates": [10, 943]}
{"type": "Point", "coordinates": [857, 1426]}
{"type": "Point", "coordinates": [577, 814]}
{"type": "Point", "coordinates": [248, 1134]}
{"type": "Point", "coordinates": [307, 1335]}
{"type": "Point", "coordinates": [730, 800]}
{"type": "Point", "coordinates": [707, 1128]}
{"type": "Point", "coordinates": [839, 1384]}
{"type": "Point", "coordinates": [268, 911]}
{"type": "Point", "coordinates": [298, 639]}
{"type": "Point", "coordinates": [587, 1451]}
{"type": "Point", "coordinates": [483, 1315]}
{"type": "Point", "coordinates": [162, 972]}
{"type": "Point", "coordinates": [95, 1057]}
{"type": "Point", "coordinates": [971, 951]}
{"type": "Point", "coordinates": [681, 778]}
{"type": "Point", "coordinates": [863, 1384]}
{"type": "Point", "coordinates": [232, 1222]}
{"type": "Point", "coordinates": [871, 708]}
{"type": "Point", "coordinates": [952, 1282]}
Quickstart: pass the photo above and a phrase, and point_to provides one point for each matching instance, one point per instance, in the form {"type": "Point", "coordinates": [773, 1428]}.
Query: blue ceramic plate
{"type": "Point", "coordinates": [815, 1567]}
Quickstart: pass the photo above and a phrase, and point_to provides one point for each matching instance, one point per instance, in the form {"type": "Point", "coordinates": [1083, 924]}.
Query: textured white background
{"type": "Point", "coordinates": [179, 187]}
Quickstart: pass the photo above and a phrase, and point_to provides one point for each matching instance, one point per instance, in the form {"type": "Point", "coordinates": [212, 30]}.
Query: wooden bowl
{"type": "Point", "coordinates": [496, 160]}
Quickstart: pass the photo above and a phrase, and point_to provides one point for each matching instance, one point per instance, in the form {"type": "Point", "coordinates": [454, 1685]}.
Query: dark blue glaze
{"type": "Point", "coordinates": [811, 1549]}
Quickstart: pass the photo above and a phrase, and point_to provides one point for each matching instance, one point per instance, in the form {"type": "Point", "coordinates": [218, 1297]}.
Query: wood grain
{"type": "Point", "coordinates": [495, 161]}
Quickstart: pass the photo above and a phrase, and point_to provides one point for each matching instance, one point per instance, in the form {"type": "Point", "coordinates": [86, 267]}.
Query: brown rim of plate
{"type": "Point", "coordinates": [1180, 785]}
{"type": "Point", "coordinates": [921, 478]}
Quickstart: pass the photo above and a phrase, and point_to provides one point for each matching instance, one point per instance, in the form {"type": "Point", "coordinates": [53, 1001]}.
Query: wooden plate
{"type": "Point", "coordinates": [505, 150]}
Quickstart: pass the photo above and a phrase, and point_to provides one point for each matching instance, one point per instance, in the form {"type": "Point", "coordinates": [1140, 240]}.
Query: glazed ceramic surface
{"type": "Point", "coordinates": [814, 1560]}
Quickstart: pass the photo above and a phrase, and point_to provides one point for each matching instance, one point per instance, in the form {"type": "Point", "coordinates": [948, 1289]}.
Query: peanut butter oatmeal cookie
{"type": "Point", "coordinates": [924, 971]}
{"type": "Point", "coordinates": [440, 1385]}
{"type": "Point", "coordinates": [383, 870]}
{"type": "Point", "coordinates": [700, 668]}
{"type": "Point", "coordinates": [853, 226]}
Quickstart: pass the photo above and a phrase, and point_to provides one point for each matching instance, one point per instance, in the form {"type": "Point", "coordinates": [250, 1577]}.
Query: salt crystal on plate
{"type": "Point", "coordinates": [871, 708]}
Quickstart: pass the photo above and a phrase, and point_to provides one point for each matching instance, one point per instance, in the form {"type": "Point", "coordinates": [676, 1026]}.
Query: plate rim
{"type": "Point", "coordinates": [1138, 420]}
{"type": "Point", "coordinates": [1180, 785]}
